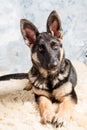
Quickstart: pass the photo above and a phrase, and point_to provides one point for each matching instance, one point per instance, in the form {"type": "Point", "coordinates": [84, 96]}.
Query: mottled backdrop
{"type": "Point", "coordinates": [15, 55]}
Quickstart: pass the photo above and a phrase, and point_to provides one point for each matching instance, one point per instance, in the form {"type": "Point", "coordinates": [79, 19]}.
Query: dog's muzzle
{"type": "Point", "coordinates": [52, 64]}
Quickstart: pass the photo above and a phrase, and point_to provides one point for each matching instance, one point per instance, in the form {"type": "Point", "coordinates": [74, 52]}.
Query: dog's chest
{"type": "Point", "coordinates": [50, 83]}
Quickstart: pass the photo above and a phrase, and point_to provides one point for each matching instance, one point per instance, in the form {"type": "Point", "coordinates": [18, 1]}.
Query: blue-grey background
{"type": "Point", "coordinates": [15, 55]}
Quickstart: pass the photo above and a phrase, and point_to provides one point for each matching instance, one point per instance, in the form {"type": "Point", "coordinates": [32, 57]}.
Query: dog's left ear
{"type": "Point", "coordinates": [54, 25]}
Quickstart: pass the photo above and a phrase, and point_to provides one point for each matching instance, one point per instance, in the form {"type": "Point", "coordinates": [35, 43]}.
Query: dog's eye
{"type": "Point", "coordinates": [41, 48]}
{"type": "Point", "coordinates": [54, 46]}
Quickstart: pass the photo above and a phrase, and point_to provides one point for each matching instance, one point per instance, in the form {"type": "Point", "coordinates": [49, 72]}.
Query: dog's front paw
{"type": "Point", "coordinates": [64, 114]}
{"type": "Point", "coordinates": [47, 117]}
{"type": "Point", "coordinates": [58, 121]}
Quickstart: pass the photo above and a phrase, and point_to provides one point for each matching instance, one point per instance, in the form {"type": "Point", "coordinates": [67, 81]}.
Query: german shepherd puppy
{"type": "Point", "coordinates": [52, 76]}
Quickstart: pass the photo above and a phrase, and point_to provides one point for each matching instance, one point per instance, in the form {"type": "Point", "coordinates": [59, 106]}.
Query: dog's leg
{"type": "Point", "coordinates": [46, 109]}
{"type": "Point", "coordinates": [67, 96]}
{"type": "Point", "coordinates": [64, 113]}
{"type": "Point", "coordinates": [28, 86]}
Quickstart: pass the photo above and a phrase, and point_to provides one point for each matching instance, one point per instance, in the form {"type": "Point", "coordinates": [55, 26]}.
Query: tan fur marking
{"type": "Point", "coordinates": [62, 76]}
{"type": "Point", "coordinates": [31, 45]}
{"type": "Point", "coordinates": [62, 53]}
{"type": "Point", "coordinates": [62, 91]}
{"type": "Point", "coordinates": [35, 58]}
{"type": "Point", "coordinates": [43, 86]}
{"type": "Point", "coordinates": [46, 110]}
{"type": "Point", "coordinates": [65, 110]}
{"type": "Point", "coordinates": [53, 71]}
{"type": "Point", "coordinates": [32, 78]}
{"type": "Point", "coordinates": [28, 86]}
{"type": "Point", "coordinates": [55, 81]}
{"type": "Point", "coordinates": [37, 83]}
{"type": "Point", "coordinates": [43, 72]}
{"type": "Point", "coordinates": [61, 36]}
{"type": "Point", "coordinates": [41, 92]}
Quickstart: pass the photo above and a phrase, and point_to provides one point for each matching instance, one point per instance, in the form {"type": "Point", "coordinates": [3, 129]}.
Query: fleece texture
{"type": "Point", "coordinates": [19, 111]}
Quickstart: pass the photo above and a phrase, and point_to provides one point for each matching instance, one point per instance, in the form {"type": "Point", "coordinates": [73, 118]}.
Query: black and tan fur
{"type": "Point", "coordinates": [52, 76]}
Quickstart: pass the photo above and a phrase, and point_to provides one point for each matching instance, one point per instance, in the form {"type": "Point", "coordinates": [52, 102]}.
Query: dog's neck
{"type": "Point", "coordinates": [55, 80]}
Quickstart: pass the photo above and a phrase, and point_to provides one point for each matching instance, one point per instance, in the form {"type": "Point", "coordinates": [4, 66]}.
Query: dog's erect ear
{"type": "Point", "coordinates": [54, 25]}
{"type": "Point", "coordinates": [29, 31]}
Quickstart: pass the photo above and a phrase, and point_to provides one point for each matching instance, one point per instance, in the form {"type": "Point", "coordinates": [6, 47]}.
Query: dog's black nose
{"type": "Point", "coordinates": [52, 65]}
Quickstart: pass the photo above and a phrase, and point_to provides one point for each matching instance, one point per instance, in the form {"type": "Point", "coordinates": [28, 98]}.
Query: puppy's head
{"type": "Point", "coordinates": [47, 53]}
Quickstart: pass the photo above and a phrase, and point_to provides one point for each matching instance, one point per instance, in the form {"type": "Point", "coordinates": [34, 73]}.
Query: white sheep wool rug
{"type": "Point", "coordinates": [18, 110]}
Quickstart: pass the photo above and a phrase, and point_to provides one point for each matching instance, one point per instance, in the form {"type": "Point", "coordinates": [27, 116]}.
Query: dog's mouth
{"type": "Point", "coordinates": [53, 70]}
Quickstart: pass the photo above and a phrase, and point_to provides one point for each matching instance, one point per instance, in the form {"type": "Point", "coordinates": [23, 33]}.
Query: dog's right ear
{"type": "Point", "coordinates": [29, 31]}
